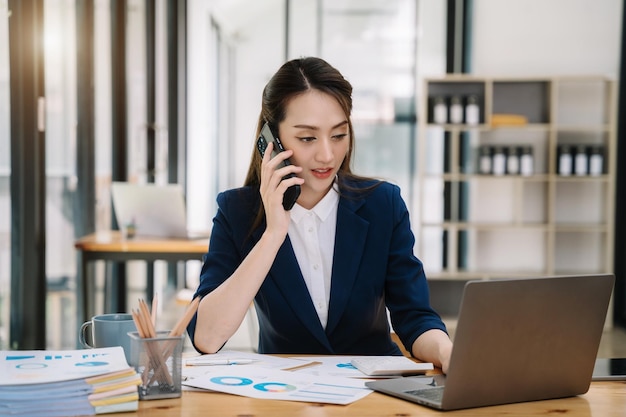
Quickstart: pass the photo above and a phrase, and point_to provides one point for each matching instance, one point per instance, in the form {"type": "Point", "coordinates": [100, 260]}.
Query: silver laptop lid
{"type": "Point", "coordinates": [518, 340]}
{"type": "Point", "coordinates": [526, 339]}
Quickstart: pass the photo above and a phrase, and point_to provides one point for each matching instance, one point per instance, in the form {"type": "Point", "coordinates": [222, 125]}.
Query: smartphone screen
{"type": "Point", "coordinates": [267, 136]}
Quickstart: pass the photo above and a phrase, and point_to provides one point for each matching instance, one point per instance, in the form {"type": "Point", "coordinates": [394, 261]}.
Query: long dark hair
{"type": "Point", "coordinates": [293, 78]}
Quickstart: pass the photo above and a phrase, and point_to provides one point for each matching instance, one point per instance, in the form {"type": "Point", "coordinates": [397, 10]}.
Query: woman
{"type": "Point", "coordinates": [323, 274]}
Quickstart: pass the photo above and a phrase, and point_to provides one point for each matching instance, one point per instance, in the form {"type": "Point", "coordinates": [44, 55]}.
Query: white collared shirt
{"type": "Point", "coordinates": [312, 235]}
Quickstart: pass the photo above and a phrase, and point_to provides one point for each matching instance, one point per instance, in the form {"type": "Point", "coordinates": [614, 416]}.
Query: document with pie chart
{"type": "Point", "coordinates": [258, 382]}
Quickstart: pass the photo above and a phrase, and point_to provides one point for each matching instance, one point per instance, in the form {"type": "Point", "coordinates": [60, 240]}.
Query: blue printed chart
{"type": "Point", "coordinates": [259, 382]}
{"type": "Point", "coordinates": [41, 366]}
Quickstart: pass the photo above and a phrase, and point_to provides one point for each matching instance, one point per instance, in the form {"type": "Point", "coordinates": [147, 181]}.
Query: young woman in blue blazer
{"type": "Point", "coordinates": [323, 274]}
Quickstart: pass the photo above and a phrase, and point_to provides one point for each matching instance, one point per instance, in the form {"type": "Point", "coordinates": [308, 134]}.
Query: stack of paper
{"type": "Point", "coordinates": [62, 383]}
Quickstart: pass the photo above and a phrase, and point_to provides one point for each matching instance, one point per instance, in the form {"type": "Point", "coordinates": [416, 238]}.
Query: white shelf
{"type": "Point", "coordinates": [473, 225]}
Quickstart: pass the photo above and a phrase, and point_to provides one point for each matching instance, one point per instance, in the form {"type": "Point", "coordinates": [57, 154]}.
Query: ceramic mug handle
{"type": "Point", "coordinates": [81, 335]}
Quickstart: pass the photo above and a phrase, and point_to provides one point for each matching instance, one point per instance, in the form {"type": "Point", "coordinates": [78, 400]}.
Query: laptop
{"type": "Point", "coordinates": [517, 340]}
{"type": "Point", "coordinates": [156, 210]}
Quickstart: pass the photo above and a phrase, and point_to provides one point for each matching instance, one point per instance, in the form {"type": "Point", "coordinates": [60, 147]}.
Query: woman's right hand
{"type": "Point", "coordinates": [273, 188]}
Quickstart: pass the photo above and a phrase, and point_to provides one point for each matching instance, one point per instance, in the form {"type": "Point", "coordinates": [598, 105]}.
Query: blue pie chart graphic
{"type": "Point", "coordinates": [231, 380]}
{"type": "Point", "coordinates": [92, 363]}
{"type": "Point", "coordinates": [274, 387]}
{"type": "Point", "coordinates": [31, 366]}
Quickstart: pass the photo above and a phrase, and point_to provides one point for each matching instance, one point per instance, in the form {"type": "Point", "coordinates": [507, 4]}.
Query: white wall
{"type": "Point", "coordinates": [546, 37]}
{"type": "Point", "coordinates": [256, 28]}
{"type": "Point", "coordinates": [260, 52]}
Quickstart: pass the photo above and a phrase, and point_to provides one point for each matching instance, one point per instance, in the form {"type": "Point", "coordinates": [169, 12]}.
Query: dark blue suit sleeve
{"type": "Point", "coordinates": [226, 251]}
{"type": "Point", "coordinates": [407, 294]}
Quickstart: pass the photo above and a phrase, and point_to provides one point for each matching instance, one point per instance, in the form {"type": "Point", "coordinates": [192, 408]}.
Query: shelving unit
{"type": "Point", "coordinates": [486, 225]}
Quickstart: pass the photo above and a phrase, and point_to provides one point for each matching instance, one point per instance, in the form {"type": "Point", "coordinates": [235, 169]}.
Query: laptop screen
{"type": "Point", "coordinates": [155, 210]}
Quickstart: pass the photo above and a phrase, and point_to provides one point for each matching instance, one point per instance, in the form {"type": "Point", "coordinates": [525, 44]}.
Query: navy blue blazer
{"type": "Point", "coordinates": [373, 267]}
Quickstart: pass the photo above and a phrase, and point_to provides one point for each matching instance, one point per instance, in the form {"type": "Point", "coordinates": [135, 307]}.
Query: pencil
{"type": "Point", "coordinates": [182, 323]}
{"type": "Point", "coordinates": [180, 327]}
{"type": "Point", "coordinates": [153, 313]}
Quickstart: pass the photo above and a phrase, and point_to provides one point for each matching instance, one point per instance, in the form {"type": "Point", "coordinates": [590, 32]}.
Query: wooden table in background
{"type": "Point", "coordinates": [112, 246]}
{"type": "Point", "coordinates": [604, 399]}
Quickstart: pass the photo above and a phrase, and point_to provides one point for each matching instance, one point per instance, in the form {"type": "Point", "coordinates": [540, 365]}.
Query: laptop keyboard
{"type": "Point", "coordinates": [431, 394]}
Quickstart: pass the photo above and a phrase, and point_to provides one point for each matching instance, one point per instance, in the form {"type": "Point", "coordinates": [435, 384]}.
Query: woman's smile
{"type": "Point", "coordinates": [322, 173]}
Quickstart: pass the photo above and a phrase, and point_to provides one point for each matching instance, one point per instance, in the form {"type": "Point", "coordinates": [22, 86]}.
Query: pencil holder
{"type": "Point", "coordinates": [159, 362]}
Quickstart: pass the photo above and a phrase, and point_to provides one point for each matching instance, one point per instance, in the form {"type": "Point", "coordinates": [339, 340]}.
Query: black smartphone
{"type": "Point", "coordinates": [267, 136]}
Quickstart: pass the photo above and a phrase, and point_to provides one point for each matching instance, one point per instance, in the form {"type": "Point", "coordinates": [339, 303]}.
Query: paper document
{"type": "Point", "coordinates": [259, 382]}
{"type": "Point", "coordinates": [237, 358]}
{"type": "Point", "coordinates": [41, 366]}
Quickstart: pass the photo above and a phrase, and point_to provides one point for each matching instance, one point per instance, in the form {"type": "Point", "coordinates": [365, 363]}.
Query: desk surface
{"type": "Point", "coordinates": [604, 399]}
{"type": "Point", "coordinates": [113, 241]}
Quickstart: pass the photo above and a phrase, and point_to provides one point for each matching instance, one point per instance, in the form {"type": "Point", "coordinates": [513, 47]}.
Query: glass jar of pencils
{"type": "Point", "coordinates": [159, 362]}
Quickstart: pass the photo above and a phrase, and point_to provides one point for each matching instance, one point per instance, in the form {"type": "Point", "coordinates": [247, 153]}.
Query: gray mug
{"type": "Point", "coordinates": [108, 330]}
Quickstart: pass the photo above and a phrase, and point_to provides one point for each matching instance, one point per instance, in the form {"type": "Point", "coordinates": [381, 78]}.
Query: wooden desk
{"type": "Point", "coordinates": [111, 246]}
{"type": "Point", "coordinates": [604, 399]}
